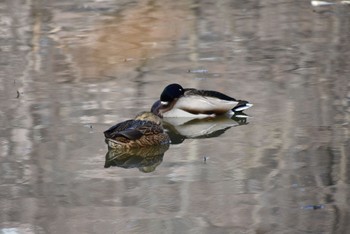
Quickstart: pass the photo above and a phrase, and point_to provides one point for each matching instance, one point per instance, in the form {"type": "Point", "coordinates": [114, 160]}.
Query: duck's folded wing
{"type": "Point", "coordinates": [131, 134]}
{"type": "Point", "coordinates": [144, 129]}
{"type": "Point", "coordinates": [240, 105]}
{"type": "Point", "coordinates": [208, 93]}
{"type": "Point", "coordinates": [197, 104]}
{"type": "Point", "coordinates": [112, 131]}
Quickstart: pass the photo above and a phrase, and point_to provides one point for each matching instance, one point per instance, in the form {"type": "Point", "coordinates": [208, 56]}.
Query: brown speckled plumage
{"type": "Point", "coordinates": [144, 130]}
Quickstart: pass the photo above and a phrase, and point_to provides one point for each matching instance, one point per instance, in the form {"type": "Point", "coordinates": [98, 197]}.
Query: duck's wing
{"type": "Point", "coordinates": [112, 131]}
{"type": "Point", "coordinates": [208, 93]}
{"type": "Point", "coordinates": [131, 134]}
{"type": "Point", "coordinates": [205, 102]}
{"type": "Point", "coordinates": [239, 106]}
{"type": "Point", "coordinates": [137, 129]}
{"type": "Point", "coordinates": [220, 100]}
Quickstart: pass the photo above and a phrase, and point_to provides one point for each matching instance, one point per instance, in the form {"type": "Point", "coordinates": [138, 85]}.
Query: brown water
{"type": "Point", "coordinates": [70, 69]}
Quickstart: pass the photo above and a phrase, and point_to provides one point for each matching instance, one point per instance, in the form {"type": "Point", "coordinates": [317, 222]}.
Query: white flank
{"type": "Point", "coordinates": [229, 113]}
{"type": "Point", "coordinates": [184, 114]}
{"type": "Point", "coordinates": [201, 104]}
{"type": "Point", "coordinates": [321, 3]}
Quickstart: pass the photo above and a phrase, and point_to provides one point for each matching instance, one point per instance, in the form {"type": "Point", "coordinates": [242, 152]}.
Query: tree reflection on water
{"type": "Point", "coordinates": [80, 66]}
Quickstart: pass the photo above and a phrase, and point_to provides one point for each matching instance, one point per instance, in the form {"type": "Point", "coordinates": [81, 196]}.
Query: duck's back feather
{"type": "Point", "coordinates": [131, 134]}
{"type": "Point", "coordinates": [112, 131]}
{"type": "Point", "coordinates": [200, 104]}
{"type": "Point", "coordinates": [131, 130]}
{"type": "Point", "coordinates": [143, 131]}
{"type": "Point", "coordinates": [208, 93]}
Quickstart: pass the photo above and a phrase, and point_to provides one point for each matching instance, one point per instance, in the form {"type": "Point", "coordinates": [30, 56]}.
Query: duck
{"type": "Point", "coordinates": [143, 131]}
{"type": "Point", "coordinates": [176, 101]}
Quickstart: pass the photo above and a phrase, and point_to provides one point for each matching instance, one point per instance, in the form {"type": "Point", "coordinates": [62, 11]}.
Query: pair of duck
{"type": "Point", "coordinates": [175, 101]}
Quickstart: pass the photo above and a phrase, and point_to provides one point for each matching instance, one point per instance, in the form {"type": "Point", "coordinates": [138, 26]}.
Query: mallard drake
{"type": "Point", "coordinates": [144, 130]}
{"type": "Point", "coordinates": [176, 101]}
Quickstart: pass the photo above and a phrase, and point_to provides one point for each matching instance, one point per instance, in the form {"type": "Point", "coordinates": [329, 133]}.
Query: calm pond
{"type": "Point", "coordinates": [70, 69]}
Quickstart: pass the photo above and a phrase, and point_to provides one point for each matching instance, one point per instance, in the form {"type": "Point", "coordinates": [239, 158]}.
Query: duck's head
{"type": "Point", "coordinates": [167, 99]}
{"type": "Point", "coordinates": [148, 116]}
{"type": "Point", "coordinates": [171, 93]}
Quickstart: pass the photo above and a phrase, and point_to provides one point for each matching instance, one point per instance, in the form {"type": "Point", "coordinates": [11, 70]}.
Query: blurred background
{"type": "Point", "coordinates": [70, 69]}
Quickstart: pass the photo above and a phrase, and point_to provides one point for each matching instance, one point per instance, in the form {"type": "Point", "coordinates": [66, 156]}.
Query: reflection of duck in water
{"type": "Point", "coordinates": [145, 130]}
{"type": "Point", "coordinates": [146, 159]}
{"type": "Point", "coordinates": [180, 129]}
{"type": "Point", "coordinates": [176, 101]}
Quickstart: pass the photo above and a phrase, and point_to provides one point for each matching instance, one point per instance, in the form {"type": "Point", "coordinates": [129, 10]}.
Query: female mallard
{"type": "Point", "coordinates": [175, 101]}
{"type": "Point", "coordinates": [145, 130]}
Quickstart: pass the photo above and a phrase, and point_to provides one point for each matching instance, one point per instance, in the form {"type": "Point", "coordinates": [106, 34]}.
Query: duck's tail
{"type": "Point", "coordinates": [241, 106]}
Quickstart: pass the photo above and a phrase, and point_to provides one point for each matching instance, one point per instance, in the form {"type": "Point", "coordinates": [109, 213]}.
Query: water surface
{"type": "Point", "coordinates": [71, 69]}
